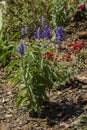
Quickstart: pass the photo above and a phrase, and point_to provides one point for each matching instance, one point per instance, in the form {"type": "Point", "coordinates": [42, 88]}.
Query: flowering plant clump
{"type": "Point", "coordinates": [36, 77]}
{"type": "Point", "coordinates": [43, 66]}
{"type": "Point", "coordinates": [75, 48]}
{"type": "Point", "coordinates": [45, 34]}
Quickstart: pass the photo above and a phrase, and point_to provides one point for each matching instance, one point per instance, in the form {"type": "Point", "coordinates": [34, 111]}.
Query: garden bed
{"type": "Point", "coordinates": [61, 112]}
{"type": "Point", "coordinates": [66, 108]}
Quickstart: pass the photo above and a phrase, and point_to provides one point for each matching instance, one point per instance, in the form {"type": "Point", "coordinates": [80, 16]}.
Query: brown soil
{"type": "Point", "coordinates": [60, 113]}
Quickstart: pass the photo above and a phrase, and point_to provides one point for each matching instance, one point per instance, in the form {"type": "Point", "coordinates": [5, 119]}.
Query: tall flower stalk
{"type": "Point", "coordinates": [59, 35]}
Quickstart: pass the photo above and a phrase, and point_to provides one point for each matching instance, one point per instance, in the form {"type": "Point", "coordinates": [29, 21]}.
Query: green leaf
{"type": "Point", "coordinates": [14, 36]}
{"type": "Point", "coordinates": [12, 64]}
{"type": "Point", "coordinates": [20, 98]}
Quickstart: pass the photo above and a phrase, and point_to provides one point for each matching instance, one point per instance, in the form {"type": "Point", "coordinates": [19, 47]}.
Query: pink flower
{"type": "Point", "coordinates": [82, 6]}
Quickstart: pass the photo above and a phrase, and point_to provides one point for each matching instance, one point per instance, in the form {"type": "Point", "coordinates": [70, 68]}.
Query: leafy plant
{"type": "Point", "coordinates": [59, 11]}
{"type": "Point", "coordinates": [7, 46]}
{"type": "Point", "coordinates": [37, 69]}
{"type": "Point", "coordinates": [34, 76]}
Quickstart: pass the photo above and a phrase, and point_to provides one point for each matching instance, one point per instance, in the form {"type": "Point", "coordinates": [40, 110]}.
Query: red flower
{"type": "Point", "coordinates": [71, 45]}
{"type": "Point", "coordinates": [44, 57]}
{"type": "Point", "coordinates": [49, 63]}
{"type": "Point", "coordinates": [83, 42]}
{"type": "Point", "coordinates": [49, 55]}
{"type": "Point", "coordinates": [68, 55]}
{"type": "Point", "coordinates": [77, 46]}
{"type": "Point", "coordinates": [80, 48]}
{"type": "Point", "coordinates": [74, 44]}
{"type": "Point", "coordinates": [56, 59]}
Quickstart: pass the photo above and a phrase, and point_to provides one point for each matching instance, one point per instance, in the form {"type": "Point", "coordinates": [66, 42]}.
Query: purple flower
{"type": "Point", "coordinates": [58, 47]}
{"type": "Point", "coordinates": [59, 34]}
{"type": "Point", "coordinates": [38, 33]}
{"type": "Point", "coordinates": [48, 42]}
{"type": "Point", "coordinates": [46, 33]}
{"type": "Point", "coordinates": [24, 30]}
{"type": "Point", "coordinates": [21, 48]}
{"type": "Point", "coordinates": [43, 21]}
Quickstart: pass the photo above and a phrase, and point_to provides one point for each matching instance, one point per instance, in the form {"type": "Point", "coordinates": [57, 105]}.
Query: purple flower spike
{"type": "Point", "coordinates": [23, 31]}
{"type": "Point", "coordinates": [26, 30]}
{"type": "Point", "coordinates": [47, 32]}
{"type": "Point", "coordinates": [43, 21]}
{"type": "Point", "coordinates": [21, 48]}
{"type": "Point", "coordinates": [38, 33]}
{"type": "Point", "coordinates": [59, 34]}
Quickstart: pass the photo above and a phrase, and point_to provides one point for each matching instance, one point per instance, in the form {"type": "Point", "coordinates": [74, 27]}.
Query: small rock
{"type": "Point", "coordinates": [82, 79]}
{"type": "Point", "coordinates": [8, 115]}
{"type": "Point", "coordinates": [84, 86]}
{"type": "Point", "coordinates": [64, 124]}
{"type": "Point", "coordinates": [9, 93]}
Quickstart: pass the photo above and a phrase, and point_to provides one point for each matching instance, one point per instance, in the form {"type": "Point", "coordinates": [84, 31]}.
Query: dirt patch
{"type": "Point", "coordinates": [61, 112]}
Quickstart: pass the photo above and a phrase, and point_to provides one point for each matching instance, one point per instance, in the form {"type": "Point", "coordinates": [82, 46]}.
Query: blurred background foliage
{"type": "Point", "coordinates": [25, 13]}
{"type": "Point", "coordinates": [30, 12]}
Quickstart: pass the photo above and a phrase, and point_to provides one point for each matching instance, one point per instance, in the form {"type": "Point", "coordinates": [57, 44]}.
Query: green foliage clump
{"type": "Point", "coordinates": [36, 73]}
{"type": "Point", "coordinates": [7, 46]}
{"type": "Point", "coordinates": [60, 11]}
{"type": "Point", "coordinates": [24, 12]}
{"type": "Point", "coordinates": [34, 77]}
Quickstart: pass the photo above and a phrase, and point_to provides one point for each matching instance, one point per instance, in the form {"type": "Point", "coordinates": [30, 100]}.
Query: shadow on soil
{"type": "Point", "coordinates": [58, 112]}
{"type": "Point", "coordinates": [72, 84]}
